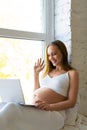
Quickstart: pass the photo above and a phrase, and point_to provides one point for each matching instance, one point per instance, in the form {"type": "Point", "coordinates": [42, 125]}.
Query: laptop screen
{"type": "Point", "coordinates": [11, 91]}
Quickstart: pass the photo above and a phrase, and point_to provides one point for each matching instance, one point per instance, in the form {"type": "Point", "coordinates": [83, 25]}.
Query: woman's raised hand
{"type": "Point", "coordinates": [39, 65]}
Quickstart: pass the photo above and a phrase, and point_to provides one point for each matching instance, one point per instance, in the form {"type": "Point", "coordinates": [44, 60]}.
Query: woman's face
{"type": "Point", "coordinates": [54, 55]}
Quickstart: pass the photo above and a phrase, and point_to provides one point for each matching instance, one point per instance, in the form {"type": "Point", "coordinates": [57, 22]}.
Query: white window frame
{"type": "Point", "coordinates": [48, 36]}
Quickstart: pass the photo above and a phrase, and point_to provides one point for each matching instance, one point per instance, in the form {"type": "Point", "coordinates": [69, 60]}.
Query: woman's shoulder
{"type": "Point", "coordinates": [73, 72]}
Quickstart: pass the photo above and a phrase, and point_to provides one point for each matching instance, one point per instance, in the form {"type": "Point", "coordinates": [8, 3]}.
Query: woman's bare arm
{"type": "Point", "coordinates": [39, 65]}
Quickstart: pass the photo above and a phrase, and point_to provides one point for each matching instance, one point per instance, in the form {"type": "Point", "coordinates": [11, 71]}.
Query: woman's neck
{"type": "Point", "coordinates": [59, 68]}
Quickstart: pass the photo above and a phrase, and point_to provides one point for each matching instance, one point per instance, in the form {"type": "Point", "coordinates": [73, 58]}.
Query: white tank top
{"type": "Point", "coordinates": [59, 84]}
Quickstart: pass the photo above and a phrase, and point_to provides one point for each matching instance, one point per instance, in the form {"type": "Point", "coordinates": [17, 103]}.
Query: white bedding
{"type": "Point", "coordinates": [81, 124]}
{"type": "Point", "coordinates": [16, 118]}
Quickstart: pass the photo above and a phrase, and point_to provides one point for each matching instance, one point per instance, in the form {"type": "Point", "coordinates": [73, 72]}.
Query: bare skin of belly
{"type": "Point", "coordinates": [47, 95]}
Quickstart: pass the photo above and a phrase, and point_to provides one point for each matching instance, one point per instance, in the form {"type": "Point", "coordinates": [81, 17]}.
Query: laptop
{"type": "Point", "coordinates": [11, 91]}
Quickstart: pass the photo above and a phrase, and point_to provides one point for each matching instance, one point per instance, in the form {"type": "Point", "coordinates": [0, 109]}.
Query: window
{"type": "Point", "coordinates": [16, 14]}
{"type": "Point", "coordinates": [24, 32]}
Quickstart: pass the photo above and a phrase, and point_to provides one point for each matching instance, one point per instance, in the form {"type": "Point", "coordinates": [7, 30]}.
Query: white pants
{"type": "Point", "coordinates": [16, 117]}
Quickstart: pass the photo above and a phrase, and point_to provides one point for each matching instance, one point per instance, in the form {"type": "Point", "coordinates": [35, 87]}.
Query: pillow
{"type": "Point", "coordinates": [71, 114]}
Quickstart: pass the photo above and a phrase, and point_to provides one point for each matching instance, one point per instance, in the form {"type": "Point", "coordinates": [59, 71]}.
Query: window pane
{"type": "Point", "coordinates": [17, 58]}
{"type": "Point", "coordinates": [25, 15]}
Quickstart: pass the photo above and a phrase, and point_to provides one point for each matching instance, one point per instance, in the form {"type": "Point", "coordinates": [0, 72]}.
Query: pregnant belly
{"type": "Point", "coordinates": [48, 95]}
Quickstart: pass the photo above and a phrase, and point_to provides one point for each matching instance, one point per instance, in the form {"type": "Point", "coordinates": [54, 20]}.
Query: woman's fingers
{"type": "Point", "coordinates": [42, 105]}
{"type": "Point", "coordinates": [40, 62]}
{"type": "Point", "coordinates": [39, 65]}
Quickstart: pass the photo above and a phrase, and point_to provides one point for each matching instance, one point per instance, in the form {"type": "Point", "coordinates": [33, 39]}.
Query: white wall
{"type": "Point", "coordinates": [71, 27]}
{"type": "Point", "coordinates": [79, 46]}
{"type": "Point", "coordinates": [62, 22]}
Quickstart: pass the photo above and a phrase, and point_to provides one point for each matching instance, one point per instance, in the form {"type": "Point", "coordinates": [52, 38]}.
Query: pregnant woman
{"type": "Point", "coordinates": [58, 89]}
